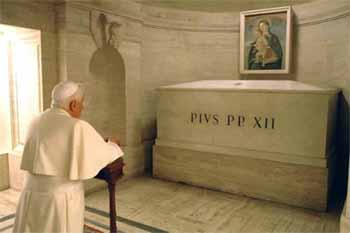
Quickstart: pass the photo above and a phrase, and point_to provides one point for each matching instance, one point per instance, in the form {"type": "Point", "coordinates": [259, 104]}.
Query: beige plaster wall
{"type": "Point", "coordinates": [164, 46]}
{"type": "Point", "coordinates": [323, 58]}
{"type": "Point", "coordinates": [67, 50]}
{"type": "Point", "coordinates": [112, 75]}
{"type": "Point", "coordinates": [4, 172]}
{"type": "Point", "coordinates": [180, 46]}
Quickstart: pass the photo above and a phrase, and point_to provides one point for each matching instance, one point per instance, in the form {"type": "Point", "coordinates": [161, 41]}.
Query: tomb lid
{"type": "Point", "coordinates": [282, 86]}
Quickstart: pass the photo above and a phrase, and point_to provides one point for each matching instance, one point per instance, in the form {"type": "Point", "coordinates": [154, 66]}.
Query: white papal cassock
{"type": "Point", "coordinates": [59, 153]}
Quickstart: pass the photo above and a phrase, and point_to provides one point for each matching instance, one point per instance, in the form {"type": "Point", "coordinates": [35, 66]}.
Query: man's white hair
{"type": "Point", "coordinates": [65, 92]}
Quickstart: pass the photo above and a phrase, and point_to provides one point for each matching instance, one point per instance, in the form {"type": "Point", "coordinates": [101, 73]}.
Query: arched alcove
{"type": "Point", "coordinates": [107, 86]}
{"type": "Point", "coordinates": [106, 83]}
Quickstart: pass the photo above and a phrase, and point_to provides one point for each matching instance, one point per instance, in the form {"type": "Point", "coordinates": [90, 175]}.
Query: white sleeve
{"type": "Point", "coordinates": [117, 151]}
{"type": "Point", "coordinates": [89, 152]}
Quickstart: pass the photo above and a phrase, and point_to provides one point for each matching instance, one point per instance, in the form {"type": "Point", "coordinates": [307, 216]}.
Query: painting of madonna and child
{"type": "Point", "coordinates": [265, 41]}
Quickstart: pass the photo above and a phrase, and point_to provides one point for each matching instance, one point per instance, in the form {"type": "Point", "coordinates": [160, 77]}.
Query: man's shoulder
{"type": "Point", "coordinates": [81, 124]}
{"type": "Point", "coordinates": [62, 119]}
{"type": "Point", "coordinates": [56, 119]}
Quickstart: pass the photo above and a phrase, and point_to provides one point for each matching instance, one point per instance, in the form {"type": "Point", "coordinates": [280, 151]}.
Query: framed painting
{"type": "Point", "coordinates": [265, 41]}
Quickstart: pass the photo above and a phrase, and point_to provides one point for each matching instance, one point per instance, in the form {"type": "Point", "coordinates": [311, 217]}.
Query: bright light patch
{"type": "Point", "coordinates": [26, 77]}
{"type": "Point", "coordinates": [5, 122]}
{"type": "Point", "coordinates": [20, 83]}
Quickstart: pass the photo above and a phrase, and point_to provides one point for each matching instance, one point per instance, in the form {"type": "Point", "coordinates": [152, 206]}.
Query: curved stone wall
{"type": "Point", "coordinates": [166, 46]}
{"type": "Point", "coordinates": [179, 46]}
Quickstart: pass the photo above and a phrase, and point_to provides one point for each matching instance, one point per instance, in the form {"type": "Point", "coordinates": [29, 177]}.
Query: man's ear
{"type": "Point", "coordinates": [72, 105]}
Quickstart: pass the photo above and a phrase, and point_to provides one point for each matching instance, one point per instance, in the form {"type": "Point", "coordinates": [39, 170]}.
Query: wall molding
{"type": "Point", "coordinates": [246, 153]}
{"type": "Point", "coordinates": [324, 19]}
{"type": "Point", "coordinates": [304, 20]}
{"type": "Point", "coordinates": [308, 14]}
{"type": "Point", "coordinates": [83, 6]}
{"type": "Point", "coordinates": [235, 28]}
{"type": "Point", "coordinates": [219, 29]}
{"type": "Point", "coordinates": [60, 7]}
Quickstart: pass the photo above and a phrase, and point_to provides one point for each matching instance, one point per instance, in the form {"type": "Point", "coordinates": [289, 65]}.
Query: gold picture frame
{"type": "Point", "coordinates": [265, 41]}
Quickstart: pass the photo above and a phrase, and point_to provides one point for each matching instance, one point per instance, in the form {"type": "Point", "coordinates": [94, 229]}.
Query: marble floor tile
{"type": "Point", "coordinates": [151, 205]}
{"type": "Point", "coordinates": [175, 207]}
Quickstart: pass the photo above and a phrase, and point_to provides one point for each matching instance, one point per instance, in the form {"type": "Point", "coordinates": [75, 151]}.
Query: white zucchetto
{"type": "Point", "coordinates": [64, 90]}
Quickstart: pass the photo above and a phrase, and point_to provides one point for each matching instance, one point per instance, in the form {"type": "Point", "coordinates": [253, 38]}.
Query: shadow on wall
{"type": "Point", "coordinates": [342, 143]}
{"type": "Point", "coordinates": [108, 62]}
{"type": "Point", "coordinates": [107, 110]}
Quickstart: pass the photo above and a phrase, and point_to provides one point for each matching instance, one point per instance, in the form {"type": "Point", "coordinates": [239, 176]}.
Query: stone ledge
{"type": "Point", "coordinates": [246, 153]}
{"type": "Point", "coordinates": [4, 172]}
{"type": "Point", "coordinates": [292, 184]}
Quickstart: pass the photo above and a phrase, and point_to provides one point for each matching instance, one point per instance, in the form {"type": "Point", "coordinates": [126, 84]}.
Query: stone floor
{"type": "Point", "coordinates": [150, 205]}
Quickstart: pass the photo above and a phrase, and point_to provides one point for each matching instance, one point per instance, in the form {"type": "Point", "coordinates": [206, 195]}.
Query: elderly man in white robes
{"type": "Point", "coordinates": [60, 152]}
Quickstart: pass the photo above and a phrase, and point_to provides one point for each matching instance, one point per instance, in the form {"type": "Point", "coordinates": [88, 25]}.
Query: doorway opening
{"type": "Point", "coordinates": [20, 89]}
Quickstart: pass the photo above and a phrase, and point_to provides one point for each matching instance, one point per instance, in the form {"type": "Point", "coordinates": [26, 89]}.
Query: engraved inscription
{"type": "Point", "coordinates": [238, 120]}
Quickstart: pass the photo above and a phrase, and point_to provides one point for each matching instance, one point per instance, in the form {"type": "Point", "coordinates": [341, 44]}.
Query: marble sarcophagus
{"type": "Point", "coordinates": [272, 140]}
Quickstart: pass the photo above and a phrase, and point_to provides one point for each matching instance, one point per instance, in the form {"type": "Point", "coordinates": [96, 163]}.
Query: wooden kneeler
{"type": "Point", "coordinates": [111, 173]}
